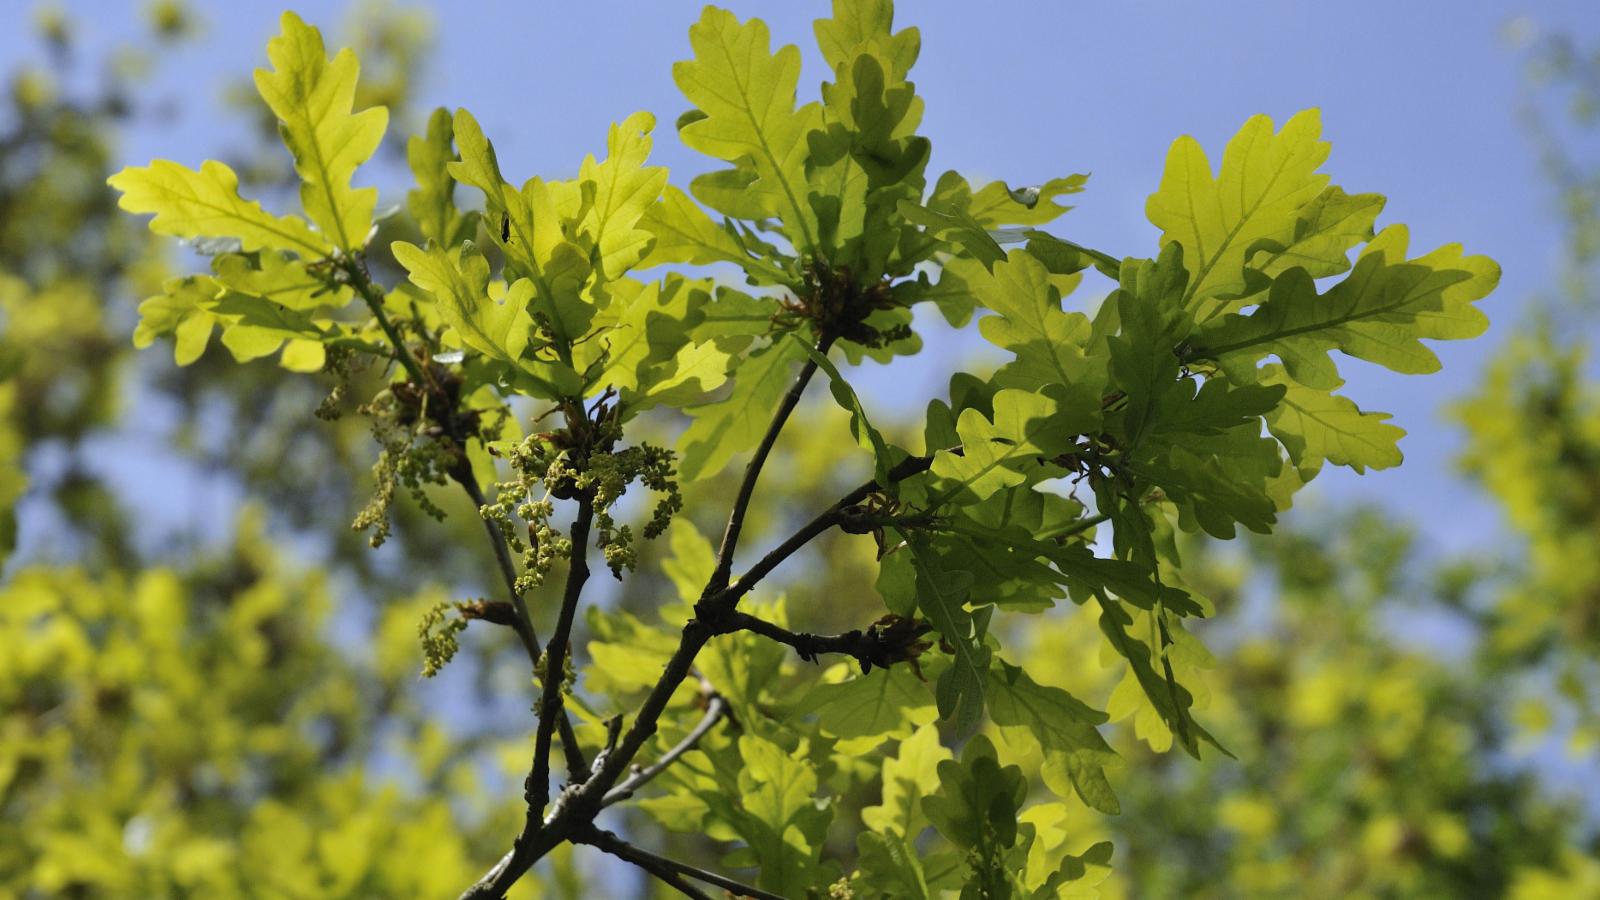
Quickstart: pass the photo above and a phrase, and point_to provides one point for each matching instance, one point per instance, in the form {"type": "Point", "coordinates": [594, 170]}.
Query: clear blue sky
{"type": "Point", "coordinates": [1418, 98]}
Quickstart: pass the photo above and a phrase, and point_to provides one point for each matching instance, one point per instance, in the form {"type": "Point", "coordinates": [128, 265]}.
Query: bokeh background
{"type": "Point", "coordinates": [208, 682]}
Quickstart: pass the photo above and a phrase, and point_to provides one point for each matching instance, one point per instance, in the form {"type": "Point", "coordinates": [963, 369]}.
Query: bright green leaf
{"type": "Point", "coordinates": [312, 96]}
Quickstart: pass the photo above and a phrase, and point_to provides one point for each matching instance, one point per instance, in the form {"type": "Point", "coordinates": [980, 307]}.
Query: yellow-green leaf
{"type": "Point", "coordinates": [1379, 313]}
{"type": "Point", "coordinates": [747, 94]}
{"type": "Point", "coordinates": [206, 204]}
{"type": "Point", "coordinates": [313, 96]}
{"type": "Point", "coordinates": [1266, 178]}
{"type": "Point", "coordinates": [1317, 425]}
{"type": "Point", "coordinates": [459, 279]}
{"type": "Point", "coordinates": [623, 188]}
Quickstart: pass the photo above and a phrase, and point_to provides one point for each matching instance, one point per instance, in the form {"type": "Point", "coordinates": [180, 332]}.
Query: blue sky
{"type": "Point", "coordinates": [1419, 100]}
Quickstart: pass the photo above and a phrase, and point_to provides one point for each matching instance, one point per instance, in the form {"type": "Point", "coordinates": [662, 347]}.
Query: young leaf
{"type": "Point", "coordinates": [459, 280]}
{"type": "Point", "coordinates": [648, 352]}
{"type": "Point", "coordinates": [782, 820]}
{"type": "Point", "coordinates": [432, 202]}
{"type": "Point", "coordinates": [685, 234]}
{"type": "Point", "coordinates": [1317, 425]}
{"type": "Point", "coordinates": [312, 97]}
{"type": "Point", "coordinates": [1265, 180]}
{"type": "Point", "coordinates": [883, 703]}
{"type": "Point", "coordinates": [1169, 698]}
{"type": "Point", "coordinates": [537, 239]}
{"type": "Point", "coordinates": [747, 95]}
{"type": "Point", "coordinates": [735, 423]}
{"type": "Point", "coordinates": [978, 800]}
{"type": "Point", "coordinates": [182, 309]}
{"type": "Point", "coordinates": [997, 204]}
{"type": "Point", "coordinates": [942, 597]}
{"type": "Point", "coordinates": [993, 455]}
{"type": "Point", "coordinates": [859, 26]}
{"type": "Point", "coordinates": [1379, 313]}
{"type": "Point", "coordinates": [1075, 753]}
{"type": "Point", "coordinates": [1325, 231]}
{"type": "Point", "coordinates": [206, 204]}
{"type": "Point", "coordinates": [623, 189]}
{"type": "Point", "coordinates": [866, 436]}
{"type": "Point", "coordinates": [908, 776]}
{"type": "Point", "coordinates": [1051, 346]}
{"type": "Point", "coordinates": [283, 280]}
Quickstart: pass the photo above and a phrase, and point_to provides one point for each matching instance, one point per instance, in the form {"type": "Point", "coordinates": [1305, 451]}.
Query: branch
{"type": "Point", "coordinates": [890, 640]}
{"type": "Point", "coordinates": [752, 472]}
{"type": "Point", "coordinates": [660, 866]}
{"type": "Point", "coordinates": [535, 838]}
{"type": "Point", "coordinates": [715, 710]}
{"type": "Point", "coordinates": [552, 701]}
{"type": "Point", "coordinates": [361, 280]}
{"type": "Point", "coordinates": [578, 805]}
{"type": "Point", "coordinates": [523, 624]}
{"type": "Point", "coordinates": [666, 875]}
{"type": "Point", "coordinates": [833, 515]}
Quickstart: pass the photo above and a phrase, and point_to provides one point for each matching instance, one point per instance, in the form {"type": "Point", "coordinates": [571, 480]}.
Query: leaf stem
{"type": "Point", "coordinates": [1075, 527]}
{"type": "Point", "coordinates": [660, 866]}
{"type": "Point", "coordinates": [362, 281]}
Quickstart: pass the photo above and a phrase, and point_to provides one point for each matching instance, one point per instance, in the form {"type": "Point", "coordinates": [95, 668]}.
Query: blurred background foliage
{"type": "Point", "coordinates": [235, 709]}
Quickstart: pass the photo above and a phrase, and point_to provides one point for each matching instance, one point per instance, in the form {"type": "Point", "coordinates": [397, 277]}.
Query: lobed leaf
{"type": "Point", "coordinates": [746, 94]}
{"type": "Point", "coordinates": [206, 204]}
{"type": "Point", "coordinates": [313, 96]}
{"type": "Point", "coordinates": [1256, 197]}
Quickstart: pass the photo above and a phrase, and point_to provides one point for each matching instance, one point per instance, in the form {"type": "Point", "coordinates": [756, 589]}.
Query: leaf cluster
{"type": "Point", "coordinates": [1197, 397]}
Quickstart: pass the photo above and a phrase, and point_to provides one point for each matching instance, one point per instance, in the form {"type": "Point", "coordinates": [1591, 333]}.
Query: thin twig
{"type": "Point", "coordinates": [535, 839]}
{"type": "Point", "coordinates": [551, 701]}
{"type": "Point", "coordinates": [362, 281]}
{"type": "Point", "coordinates": [577, 807]}
{"type": "Point", "coordinates": [715, 709]}
{"type": "Point", "coordinates": [577, 766]}
{"type": "Point", "coordinates": [893, 640]}
{"type": "Point", "coordinates": [604, 840]}
{"type": "Point", "coordinates": [752, 471]}
{"type": "Point", "coordinates": [652, 866]}
{"type": "Point", "coordinates": [508, 569]}
{"type": "Point", "coordinates": [911, 465]}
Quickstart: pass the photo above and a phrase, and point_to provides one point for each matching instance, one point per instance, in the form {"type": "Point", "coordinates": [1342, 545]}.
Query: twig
{"type": "Point", "coordinates": [715, 709]}
{"type": "Point", "coordinates": [651, 865]}
{"type": "Point", "coordinates": [752, 471]}
{"type": "Point", "coordinates": [534, 839]}
{"type": "Point", "coordinates": [577, 766]}
{"type": "Point", "coordinates": [551, 701]}
{"type": "Point", "coordinates": [508, 569]}
{"type": "Point", "coordinates": [577, 807]}
{"type": "Point", "coordinates": [608, 842]}
{"type": "Point", "coordinates": [911, 465]}
{"type": "Point", "coordinates": [362, 281]}
{"type": "Point", "coordinates": [893, 640]}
